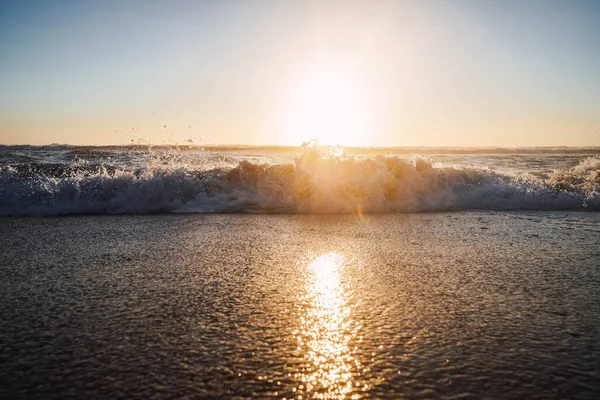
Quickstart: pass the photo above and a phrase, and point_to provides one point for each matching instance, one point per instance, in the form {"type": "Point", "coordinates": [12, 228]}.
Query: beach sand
{"type": "Point", "coordinates": [438, 305]}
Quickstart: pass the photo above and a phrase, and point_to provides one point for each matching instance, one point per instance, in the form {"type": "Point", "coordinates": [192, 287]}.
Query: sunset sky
{"type": "Point", "coordinates": [369, 73]}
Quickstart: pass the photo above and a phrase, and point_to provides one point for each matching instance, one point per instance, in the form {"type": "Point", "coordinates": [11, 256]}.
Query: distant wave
{"type": "Point", "coordinates": [314, 183]}
{"type": "Point", "coordinates": [298, 149]}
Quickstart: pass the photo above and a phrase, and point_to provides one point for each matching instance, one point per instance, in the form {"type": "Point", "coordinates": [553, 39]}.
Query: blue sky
{"type": "Point", "coordinates": [465, 73]}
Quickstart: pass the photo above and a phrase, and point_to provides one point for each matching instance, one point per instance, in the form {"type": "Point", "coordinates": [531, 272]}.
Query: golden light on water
{"type": "Point", "coordinates": [325, 335]}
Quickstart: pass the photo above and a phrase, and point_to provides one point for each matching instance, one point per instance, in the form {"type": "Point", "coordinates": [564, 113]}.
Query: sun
{"type": "Point", "coordinates": [327, 104]}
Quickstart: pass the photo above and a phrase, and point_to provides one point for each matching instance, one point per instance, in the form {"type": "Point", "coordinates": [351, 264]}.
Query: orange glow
{"type": "Point", "coordinates": [325, 334]}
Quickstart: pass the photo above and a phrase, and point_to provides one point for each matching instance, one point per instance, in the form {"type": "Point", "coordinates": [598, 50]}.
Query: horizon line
{"type": "Point", "coordinates": [281, 147]}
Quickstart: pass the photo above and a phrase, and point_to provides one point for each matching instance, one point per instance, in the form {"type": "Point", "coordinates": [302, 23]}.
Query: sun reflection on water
{"type": "Point", "coordinates": [330, 368]}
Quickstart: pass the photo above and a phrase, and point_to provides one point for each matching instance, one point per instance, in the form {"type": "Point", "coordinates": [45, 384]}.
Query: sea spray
{"type": "Point", "coordinates": [319, 180]}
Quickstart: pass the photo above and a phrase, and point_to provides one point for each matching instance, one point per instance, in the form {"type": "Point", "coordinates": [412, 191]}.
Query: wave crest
{"type": "Point", "coordinates": [314, 183]}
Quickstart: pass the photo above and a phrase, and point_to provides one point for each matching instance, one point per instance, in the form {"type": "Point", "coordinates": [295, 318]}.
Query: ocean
{"type": "Point", "coordinates": [244, 272]}
{"type": "Point", "coordinates": [66, 180]}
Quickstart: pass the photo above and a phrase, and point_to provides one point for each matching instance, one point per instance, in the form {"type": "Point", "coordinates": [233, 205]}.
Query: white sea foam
{"type": "Point", "coordinates": [313, 183]}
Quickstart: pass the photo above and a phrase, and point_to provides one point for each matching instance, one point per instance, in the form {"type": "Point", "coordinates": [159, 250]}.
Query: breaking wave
{"type": "Point", "coordinates": [314, 183]}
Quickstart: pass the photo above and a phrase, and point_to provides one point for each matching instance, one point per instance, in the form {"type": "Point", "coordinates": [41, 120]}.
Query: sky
{"type": "Point", "coordinates": [360, 73]}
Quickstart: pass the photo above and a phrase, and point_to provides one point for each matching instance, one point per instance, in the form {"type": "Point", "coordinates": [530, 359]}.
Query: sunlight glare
{"type": "Point", "coordinates": [328, 104]}
{"type": "Point", "coordinates": [325, 334]}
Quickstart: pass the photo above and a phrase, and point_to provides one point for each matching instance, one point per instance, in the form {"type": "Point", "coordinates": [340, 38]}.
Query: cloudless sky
{"type": "Point", "coordinates": [384, 73]}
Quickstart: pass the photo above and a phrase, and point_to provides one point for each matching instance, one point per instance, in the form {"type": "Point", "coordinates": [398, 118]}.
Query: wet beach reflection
{"type": "Point", "coordinates": [326, 335]}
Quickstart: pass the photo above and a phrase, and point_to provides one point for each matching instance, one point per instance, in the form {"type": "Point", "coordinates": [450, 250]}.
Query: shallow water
{"type": "Point", "coordinates": [438, 305]}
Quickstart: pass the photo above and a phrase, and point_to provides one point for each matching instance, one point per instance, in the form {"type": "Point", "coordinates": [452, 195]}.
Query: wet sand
{"type": "Point", "coordinates": [439, 305]}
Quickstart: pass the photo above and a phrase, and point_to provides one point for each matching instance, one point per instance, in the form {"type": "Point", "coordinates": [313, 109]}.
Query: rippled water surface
{"type": "Point", "coordinates": [438, 305]}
